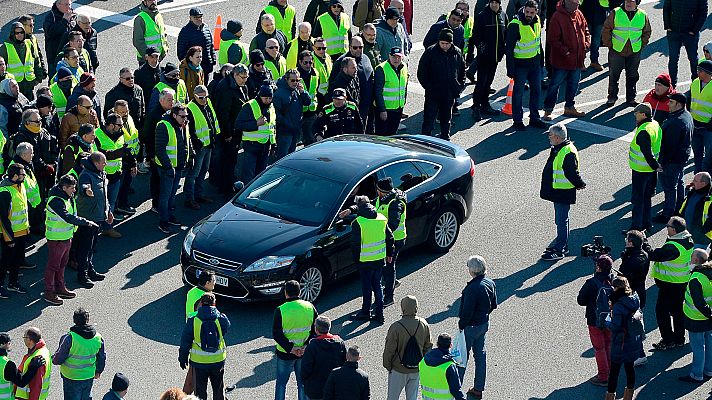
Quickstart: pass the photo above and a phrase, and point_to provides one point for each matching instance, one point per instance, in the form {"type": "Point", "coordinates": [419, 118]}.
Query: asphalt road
{"type": "Point", "coordinates": [538, 346]}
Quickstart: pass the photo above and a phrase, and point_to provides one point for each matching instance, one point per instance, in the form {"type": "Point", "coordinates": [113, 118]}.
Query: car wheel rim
{"type": "Point", "coordinates": [446, 229]}
{"type": "Point", "coordinates": [311, 283]}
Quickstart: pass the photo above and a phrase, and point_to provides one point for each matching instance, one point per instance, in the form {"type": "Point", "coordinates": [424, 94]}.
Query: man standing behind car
{"type": "Point", "coordinates": [559, 182]}
{"type": "Point", "coordinates": [323, 353]}
{"type": "Point", "coordinates": [391, 203]}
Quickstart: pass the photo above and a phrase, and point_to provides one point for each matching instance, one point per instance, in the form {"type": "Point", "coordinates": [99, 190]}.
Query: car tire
{"type": "Point", "coordinates": [311, 281]}
{"type": "Point", "coordinates": [444, 230]}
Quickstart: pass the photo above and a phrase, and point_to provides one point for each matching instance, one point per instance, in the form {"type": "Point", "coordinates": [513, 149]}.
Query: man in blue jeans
{"type": "Point", "coordinates": [203, 126]}
{"type": "Point", "coordinates": [683, 20]}
{"type": "Point", "coordinates": [479, 299]}
{"type": "Point", "coordinates": [172, 149]}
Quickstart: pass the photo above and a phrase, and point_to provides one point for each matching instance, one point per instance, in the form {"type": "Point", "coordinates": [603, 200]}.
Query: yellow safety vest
{"type": "Point", "coordinates": [59, 99]}
{"type": "Point", "coordinates": [23, 71]}
{"type": "Point", "coordinates": [285, 23]}
{"type": "Point", "coordinates": [625, 30]}
{"type": "Point", "coordinates": [674, 271]}
{"type": "Point", "coordinates": [57, 228]}
{"type": "Point", "coordinates": [3, 140]}
{"type": "Point", "coordinates": [5, 385]}
{"type": "Point", "coordinates": [313, 85]}
{"type": "Point", "coordinates": [197, 354]}
{"type": "Point", "coordinates": [278, 69]}
{"type": "Point", "coordinates": [202, 129]}
{"type": "Point", "coordinates": [433, 381]}
{"type": "Point", "coordinates": [81, 363]}
{"type": "Point", "coordinates": [529, 43]}
{"type": "Point", "coordinates": [264, 133]}
{"type": "Point", "coordinates": [559, 180]}
{"type": "Point", "coordinates": [323, 70]}
{"type": "Point", "coordinates": [24, 392]}
{"type": "Point", "coordinates": [701, 101]}
{"type": "Point", "coordinates": [193, 296]}
{"type": "Point", "coordinates": [155, 34]}
{"type": "Point", "coordinates": [335, 37]}
{"type": "Point", "coordinates": [373, 238]}
{"type": "Point", "coordinates": [293, 52]}
{"type": "Point", "coordinates": [395, 85]}
{"type": "Point", "coordinates": [636, 159]}
{"type": "Point", "coordinates": [297, 320]}
{"type": "Point", "coordinates": [172, 146]}
{"type": "Point", "coordinates": [131, 135]}
{"type": "Point", "coordinates": [113, 166]}
{"type": "Point", "coordinates": [181, 90]}
{"type": "Point", "coordinates": [688, 307]}
{"type": "Point", "coordinates": [400, 233]}
{"type": "Point", "coordinates": [32, 189]}
{"type": "Point", "coordinates": [224, 51]}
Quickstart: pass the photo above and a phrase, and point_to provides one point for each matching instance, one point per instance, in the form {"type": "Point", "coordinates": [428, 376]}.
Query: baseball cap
{"type": "Point", "coordinates": [196, 12]}
{"type": "Point", "coordinates": [338, 93]}
{"type": "Point", "coordinates": [396, 51]}
{"type": "Point", "coordinates": [151, 50]}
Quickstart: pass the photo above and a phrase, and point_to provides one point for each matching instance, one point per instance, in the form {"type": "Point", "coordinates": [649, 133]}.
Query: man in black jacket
{"type": "Point", "coordinates": [635, 263]}
{"type": "Point", "coordinates": [128, 90]}
{"type": "Point", "coordinates": [674, 153]}
{"type": "Point", "coordinates": [642, 160]}
{"type": "Point", "coordinates": [149, 74]}
{"type": "Point", "coordinates": [171, 132]}
{"type": "Point", "coordinates": [147, 137]}
{"type": "Point", "coordinates": [698, 318]}
{"type": "Point", "coordinates": [454, 23]}
{"type": "Point", "coordinates": [348, 382]}
{"type": "Point", "coordinates": [488, 38]}
{"type": "Point", "coordinates": [258, 74]}
{"type": "Point", "coordinates": [268, 30]}
{"type": "Point", "coordinates": [683, 20]}
{"type": "Point", "coordinates": [364, 72]}
{"type": "Point", "coordinates": [196, 33]}
{"type": "Point", "coordinates": [347, 79]}
{"type": "Point", "coordinates": [692, 208]}
{"type": "Point", "coordinates": [559, 182]}
{"type": "Point", "coordinates": [441, 71]}
{"type": "Point", "coordinates": [323, 353]}
{"type": "Point", "coordinates": [58, 21]}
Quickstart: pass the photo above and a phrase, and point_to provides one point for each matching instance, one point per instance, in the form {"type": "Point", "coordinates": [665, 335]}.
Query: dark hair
{"type": "Point", "coordinates": [291, 288]}
{"type": "Point", "coordinates": [457, 12]}
{"type": "Point", "coordinates": [322, 324]}
{"type": "Point", "coordinates": [124, 70]}
{"type": "Point", "coordinates": [303, 54]}
{"type": "Point", "coordinates": [621, 283]}
{"type": "Point", "coordinates": [636, 238]}
{"type": "Point", "coordinates": [113, 119]}
{"type": "Point", "coordinates": [25, 18]}
{"type": "Point", "coordinates": [33, 334]}
{"type": "Point", "coordinates": [4, 338]}
{"type": "Point", "coordinates": [205, 277]}
{"type": "Point", "coordinates": [291, 72]}
{"type": "Point", "coordinates": [678, 224]}
{"type": "Point", "coordinates": [177, 107]}
{"type": "Point", "coordinates": [531, 4]}
{"type": "Point", "coordinates": [208, 299]}
{"type": "Point", "coordinates": [84, 129]}
{"type": "Point", "coordinates": [67, 180]}
{"type": "Point", "coordinates": [14, 169]}
{"type": "Point", "coordinates": [345, 62]}
{"type": "Point", "coordinates": [73, 35]}
{"type": "Point", "coordinates": [191, 51]}
{"type": "Point", "coordinates": [354, 351]}
{"type": "Point", "coordinates": [42, 89]}
{"type": "Point", "coordinates": [67, 51]}
{"type": "Point", "coordinates": [444, 341]}
{"type": "Point", "coordinates": [81, 316]}
{"type": "Point", "coordinates": [121, 102]}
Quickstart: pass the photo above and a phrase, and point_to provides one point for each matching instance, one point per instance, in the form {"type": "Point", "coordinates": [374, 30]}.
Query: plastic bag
{"type": "Point", "coordinates": [459, 349]}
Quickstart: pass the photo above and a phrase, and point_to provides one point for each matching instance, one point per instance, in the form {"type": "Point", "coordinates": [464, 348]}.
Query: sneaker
{"type": "Point", "coordinates": [165, 228]}
{"type": "Point", "coordinates": [402, 127]}
{"type": "Point", "coordinates": [126, 210]}
{"type": "Point", "coordinates": [172, 220]}
{"type": "Point", "coordinates": [206, 200]}
{"type": "Point", "coordinates": [661, 219]}
{"type": "Point", "coordinates": [405, 115]}
{"type": "Point", "coordinates": [28, 266]}
{"type": "Point", "coordinates": [537, 123]}
{"type": "Point", "coordinates": [119, 217]}
{"type": "Point", "coordinates": [661, 345]}
{"type": "Point", "coordinates": [573, 112]}
{"type": "Point", "coordinates": [552, 256]}
{"type": "Point", "coordinates": [95, 276]}
{"type": "Point", "coordinates": [361, 316]}
{"type": "Point", "coordinates": [519, 126]}
{"type": "Point", "coordinates": [52, 299]}
{"type": "Point", "coordinates": [689, 379]}
{"type": "Point", "coordinates": [476, 394]}
{"type": "Point", "coordinates": [4, 294]}
{"type": "Point", "coordinates": [192, 204]}
{"type": "Point", "coordinates": [16, 288]}
{"type": "Point", "coordinates": [387, 301]}
{"type": "Point", "coordinates": [597, 381]}
{"type": "Point", "coordinates": [488, 110]}
{"type": "Point", "coordinates": [396, 284]}
{"type": "Point", "coordinates": [492, 91]}
{"type": "Point", "coordinates": [65, 293]}
{"type": "Point", "coordinates": [640, 361]}
{"type": "Point", "coordinates": [547, 116]}
{"type": "Point", "coordinates": [112, 233]}
{"type": "Point", "coordinates": [85, 282]}
{"type": "Point", "coordinates": [596, 66]}
{"type": "Point", "coordinates": [379, 319]}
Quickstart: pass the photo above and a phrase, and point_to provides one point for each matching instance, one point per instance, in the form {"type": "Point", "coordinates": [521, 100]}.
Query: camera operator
{"type": "Point", "coordinates": [692, 208]}
{"type": "Point", "coordinates": [635, 263]}
{"type": "Point", "coordinates": [671, 272]}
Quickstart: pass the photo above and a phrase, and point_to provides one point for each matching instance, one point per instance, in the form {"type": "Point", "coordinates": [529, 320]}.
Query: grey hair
{"type": "Point", "coordinates": [369, 26]}
{"type": "Point", "coordinates": [705, 177]}
{"type": "Point", "coordinates": [27, 114]}
{"type": "Point", "coordinates": [241, 69]}
{"type": "Point", "coordinates": [476, 265]}
{"type": "Point", "coordinates": [165, 92]}
{"type": "Point", "coordinates": [23, 148]}
{"type": "Point", "coordinates": [559, 130]}
{"type": "Point", "coordinates": [83, 18]}
{"type": "Point", "coordinates": [266, 16]}
{"type": "Point", "coordinates": [303, 24]}
{"type": "Point", "coordinates": [322, 324]}
{"type": "Point", "coordinates": [200, 89]}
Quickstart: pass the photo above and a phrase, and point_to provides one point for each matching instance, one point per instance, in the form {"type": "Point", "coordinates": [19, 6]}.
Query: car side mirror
{"type": "Point", "coordinates": [238, 185]}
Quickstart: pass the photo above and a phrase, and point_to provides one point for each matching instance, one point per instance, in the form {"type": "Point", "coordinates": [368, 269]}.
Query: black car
{"type": "Point", "coordinates": [284, 224]}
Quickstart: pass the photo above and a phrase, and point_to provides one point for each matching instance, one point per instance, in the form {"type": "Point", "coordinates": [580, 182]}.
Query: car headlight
{"type": "Point", "coordinates": [188, 241]}
{"type": "Point", "coordinates": [270, 262]}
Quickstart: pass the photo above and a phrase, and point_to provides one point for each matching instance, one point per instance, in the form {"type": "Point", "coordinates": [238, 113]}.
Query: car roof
{"type": "Point", "coordinates": [342, 157]}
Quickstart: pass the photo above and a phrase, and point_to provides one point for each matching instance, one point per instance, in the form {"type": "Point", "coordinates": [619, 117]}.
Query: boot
{"type": "Point", "coordinates": [65, 293]}
{"type": "Point", "coordinates": [628, 394]}
{"type": "Point", "coordinates": [610, 396]}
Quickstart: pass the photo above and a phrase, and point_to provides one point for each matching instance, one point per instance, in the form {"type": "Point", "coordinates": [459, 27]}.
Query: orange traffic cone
{"type": "Point", "coordinates": [507, 107]}
{"type": "Point", "coordinates": [216, 32]}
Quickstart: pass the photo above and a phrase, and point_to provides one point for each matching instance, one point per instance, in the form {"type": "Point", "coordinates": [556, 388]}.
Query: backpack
{"type": "Point", "coordinates": [209, 336]}
{"type": "Point", "coordinates": [603, 309]}
{"type": "Point", "coordinates": [413, 353]}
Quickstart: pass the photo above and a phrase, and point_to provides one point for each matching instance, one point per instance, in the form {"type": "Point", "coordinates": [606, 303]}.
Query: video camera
{"type": "Point", "coordinates": [595, 249]}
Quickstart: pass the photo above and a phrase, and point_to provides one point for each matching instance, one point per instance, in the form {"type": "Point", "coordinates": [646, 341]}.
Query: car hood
{"type": "Point", "coordinates": [237, 234]}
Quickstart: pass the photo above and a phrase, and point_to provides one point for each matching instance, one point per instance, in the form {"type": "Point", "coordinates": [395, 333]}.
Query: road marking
{"type": "Point", "coordinates": [194, 4]}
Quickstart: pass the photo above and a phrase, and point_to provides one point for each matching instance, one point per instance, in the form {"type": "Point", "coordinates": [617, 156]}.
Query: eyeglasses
{"type": "Point", "coordinates": [128, 78]}
{"type": "Point", "coordinates": [357, 47]}
{"type": "Point", "coordinates": [201, 97]}
{"type": "Point", "coordinates": [258, 64]}
{"type": "Point", "coordinates": [319, 48]}
{"type": "Point", "coordinates": [243, 76]}
{"type": "Point", "coordinates": [272, 47]}
{"type": "Point", "coordinates": [19, 32]}
{"type": "Point", "coordinates": [305, 62]}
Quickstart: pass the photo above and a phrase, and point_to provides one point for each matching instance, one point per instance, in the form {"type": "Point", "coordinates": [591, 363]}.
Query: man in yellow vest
{"type": "Point", "coordinates": [149, 30]}
{"type": "Point", "coordinates": [10, 374]}
{"type": "Point", "coordinates": [300, 43]}
{"type": "Point", "coordinates": [643, 161]}
{"type": "Point", "coordinates": [128, 163]}
{"type": "Point", "coordinates": [257, 121]}
{"type": "Point", "coordinates": [268, 30]}
{"type": "Point", "coordinates": [274, 60]}
{"type": "Point", "coordinates": [170, 79]}
{"type": "Point", "coordinates": [202, 345]}
{"type": "Point", "coordinates": [285, 17]}
{"type": "Point", "coordinates": [698, 319]}
{"type": "Point", "coordinates": [80, 356]}
{"type": "Point", "coordinates": [204, 129]}
{"type": "Point", "coordinates": [61, 90]}
{"type": "Point", "coordinates": [559, 182]}
{"type": "Point", "coordinates": [292, 328]}
{"type": "Point", "coordinates": [390, 87]}
{"type": "Point", "coordinates": [39, 386]}
{"type": "Point", "coordinates": [626, 32]}
{"type": "Point", "coordinates": [335, 27]}
{"type": "Point", "coordinates": [700, 104]}
{"type": "Point", "coordinates": [76, 41]}
{"type": "Point", "coordinates": [28, 22]}
{"type": "Point", "coordinates": [110, 142]}
{"type": "Point", "coordinates": [671, 271]}
{"type": "Point", "coordinates": [391, 203]}
{"type": "Point", "coordinates": [371, 247]}
{"type": "Point", "coordinates": [19, 53]}
{"type": "Point", "coordinates": [310, 82]}
{"type": "Point", "coordinates": [232, 50]}
{"type": "Point", "coordinates": [60, 224]}
{"type": "Point", "coordinates": [15, 227]}
{"type": "Point", "coordinates": [439, 378]}
{"type": "Point", "coordinates": [206, 283]}
{"type": "Point", "coordinates": [323, 67]}
{"type": "Point", "coordinates": [172, 152]}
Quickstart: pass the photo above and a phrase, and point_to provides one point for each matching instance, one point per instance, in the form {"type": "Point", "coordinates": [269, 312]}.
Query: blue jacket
{"type": "Point", "coordinates": [192, 35]}
{"type": "Point", "coordinates": [433, 34]}
{"type": "Point", "coordinates": [288, 105]}
{"type": "Point", "coordinates": [65, 344]}
{"type": "Point", "coordinates": [437, 357]}
{"type": "Point", "coordinates": [624, 347]}
{"type": "Point", "coordinates": [205, 313]}
{"type": "Point", "coordinates": [479, 298]}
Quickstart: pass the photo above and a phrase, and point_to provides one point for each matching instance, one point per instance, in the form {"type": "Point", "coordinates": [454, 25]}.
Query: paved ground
{"type": "Point", "coordinates": [538, 347]}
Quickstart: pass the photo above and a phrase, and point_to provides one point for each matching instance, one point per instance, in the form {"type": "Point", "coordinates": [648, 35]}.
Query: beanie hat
{"type": "Point", "coordinates": [43, 101]}
{"type": "Point", "coordinates": [4, 338]}
{"type": "Point", "coordinates": [385, 185]}
{"type": "Point", "coordinates": [705, 66]}
{"type": "Point", "coordinates": [257, 57]}
{"type": "Point", "coordinates": [707, 47]}
{"type": "Point", "coordinates": [265, 91]}
{"type": "Point", "coordinates": [392, 13]}
{"type": "Point", "coordinates": [604, 262]}
{"type": "Point", "coordinates": [664, 79]}
{"type": "Point", "coordinates": [120, 382]}
{"type": "Point", "coordinates": [169, 68]}
{"type": "Point", "coordinates": [446, 35]}
{"type": "Point", "coordinates": [234, 26]}
{"type": "Point", "coordinates": [336, 3]}
{"type": "Point", "coordinates": [678, 97]}
{"type": "Point", "coordinates": [86, 79]}
{"type": "Point", "coordinates": [63, 73]}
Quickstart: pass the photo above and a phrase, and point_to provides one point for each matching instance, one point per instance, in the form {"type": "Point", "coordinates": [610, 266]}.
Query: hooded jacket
{"type": "Point", "coordinates": [10, 108]}
{"type": "Point", "coordinates": [94, 208]}
{"type": "Point", "coordinates": [677, 137]}
{"type": "Point", "coordinates": [139, 28]}
{"type": "Point", "coordinates": [433, 35]}
{"type": "Point", "coordinates": [387, 38]}
{"type": "Point", "coordinates": [489, 36]}
{"type": "Point", "coordinates": [228, 99]}
{"type": "Point", "coordinates": [700, 303]}
{"type": "Point", "coordinates": [568, 38]}
{"type": "Point", "coordinates": [65, 345]}
{"type": "Point", "coordinates": [288, 105]}
{"type": "Point", "coordinates": [438, 356]}
{"type": "Point", "coordinates": [205, 314]}
{"type": "Point", "coordinates": [234, 53]}
{"type": "Point", "coordinates": [323, 354]}
{"type": "Point", "coordinates": [54, 27]}
{"type": "Point", "coordinates": [367, 210]}
{"type": "Point", "coordinates": [624, 347]}
{"type": "Point", "coordinates": [192, 35]}
{"type": "Point", "coordinates": [660, 104]}
{"type": "Point", "coordinates": [566, 196]}
{"type": "Point", "coordinates": [21, 50]}
{"type": "Point", "coordinates": [71, 122]}
{"type": "Point", "coordinates": [348, 382]}
{"type": "Point", "coordinates": [442, 73]}
{"type": "Point", "coordinates": [399, 334]}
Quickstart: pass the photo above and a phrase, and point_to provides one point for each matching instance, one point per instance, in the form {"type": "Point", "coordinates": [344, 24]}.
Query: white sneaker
{"type": "Point", "coordinates": [641, 361]}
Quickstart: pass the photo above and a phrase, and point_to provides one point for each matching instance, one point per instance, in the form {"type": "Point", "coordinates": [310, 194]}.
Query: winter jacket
{"type": "Point", "coordinates": [54, 28]}
{"type": "Point", "coordinates": [407, 15]}
{"type": "Point", "coordinates": [323, 354]}
{"type": "Point", "coordinates": [479, 299]}
{"type": "Point", "coordinates": [642, 139]}
{"type": "Point", "coordinates": [588, 294]}
{"type": "Point", "coordinates": [234, 53]}
{"type": "Point", "coordinates": [368, 11]}
{"type": "Point", "coordinates": [44, 146]}
{"type": "Point", "coordinates": [635, 266]}
{"type": "Point", "coordinates": [669, 252]}
{"type": "Point", "coordinates": [93, 95]}
{"type": "Point", "coordinates": [438, 356]}
{"type": "Point", "coordinates": [94, 208]}
{"type": "Point", "coordinates": [677, 136]}
{"type": "Point", "coordinates": [162, 143]}
{"type": "Point", "coordinates": [72, 121]}
{"type": "Point", "coordinates": [431, 37]}
{"type": "Point", "coordinates": [399, 334]}
{"type": "Point", "coordinates": [65, 344]}
{"type": "Point", "coordinates": [442, 73]}
{"type": "Point", "coordinates": [35, 384]}
{"type": "Point", "coordinates": [370, 49]}
{"type": "Point", "coordinates": [133, 95]}
{"type": "Point", "coordinates": [282, 10]}
{"type": "Point", "coordinates": [594, 13]}
{"type": "Point", "coordinates": [12, 374]}
{"type": "Point", "coordinates": [318, 31]}
{"type": "Point", "coordinates": [69, 156]}
{"type": "Point", "coordinates": [341, 121]}
{"type": "Point", "coordinates": [228, 99]}
{"type": "Point", "coordinates": [192, 35]}
{"type": "Point", "coordinates": [568, 38]}
{"type": "Point", "coordinates": [367, 210]}
{"type": "Point", "coordinates": [387, 38]}
{"type": "Point", "coordinates": [625, 347]}
{"type": "Point", "coordinates": [314, 9]}
{"type": "Point", "coordinates": [5, 208]}
{"type": "Point", "coordinates": [281, 339]}
{"type": "Point", "coordinates": [90, 43]}
{"type": "Point", "coordinates": [512, 37]}
{"type": "Point", "coordinates": [698, 299]}
{"type": "Point", "coordinates": [21, 50]}
{"type": "Point", "coordinates": [205, 314]}
{"type": "Point", "coordinates": [660, 104]}
{"type": "Point", "coordinates": [348, 382]}
{"type": "Point", "coordinates": [11, 112]}
{"type": "Point", "coordinates": [156, 94]}
{"type": "Point", "coordinates": [259, 42]}
{"type": "Point", "coordinates": [365, 76]}
{"type": "Point", "coordinates": [566, 196]}
{"type": "Point", "coordinates": [488, 37]}
{"type": "Point", "coordinates": [146, 77]}
{"type": "Point", "coordinates": [147, 135]}
{"type": "Point", "coordinates": [139, 29]}
{"type": "Point", "coordinates": [257, 79]}
{"type": "Point", "coordinates": [692, 210]}
{"type": "Point", "coordinates": [348, 83]}
{"type": "Point", "coordinates": [288, 105]}
{"type": "Point", "coordinates": [607, 34]}
{"type": "Point", "coordinates": [58, 206]}
{"type": "Point", "coordinates": [192, 76]}
{"type": "Point", "coordinates": [514, 8]}
{"type": "Point", "coordinates": [684, 16]}
{"type": "Point", "coordinates": [379, 84]}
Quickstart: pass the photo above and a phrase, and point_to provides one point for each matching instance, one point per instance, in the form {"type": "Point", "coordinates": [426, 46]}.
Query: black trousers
{"type": "Point", "coordinates": [85, 239]}
{"type": "Point", "coordinates": [615, 371]}
{"type": "Point", "coordinates": [12, 258]}
{"type": "Point", "coordinates": [217, 382]}
{"type": "Point", "coordinates": [440, 106]}
{"type": "Point", "coordinates": [669, 304]}
{"type": "Point", "coordinates": [390, 125]}
{"type": "Point", "coordinates": [485, 76]}
{"type": "Point", "coordinates": [154, 185]}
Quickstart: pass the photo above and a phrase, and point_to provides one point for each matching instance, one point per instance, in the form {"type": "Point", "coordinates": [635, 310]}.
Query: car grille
{"type": "Point", "coordinates": [215, 262]}
{"type": "Point", "coordinates": [235, 289]}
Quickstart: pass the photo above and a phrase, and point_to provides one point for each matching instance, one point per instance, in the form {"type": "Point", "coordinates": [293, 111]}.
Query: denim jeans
{"type": "Point", "coordinates": [389, 272]}
{"type": "Point", "coordinates": [702, 149]}
{"type": "Point", "coordinates": [671, 181]}
{"type": "Point", "coordinates": [601, 342]}
{"type": "Point", "coordinates": [371, 284]}
{"type": "Point", "coordinates": [254, 160]}
{"type": "Point", "coordinates": [167, 198]}
{"type": "Point", "coordinates": [112, 193]}
{"type": "Point", "coordinates": [675, 41]}
{"type": "Point", "coordinates": [595, 40]}
{"type": "Point", "coordinates": [642, 190]}
{"type": "Point", "coordinates": [522, 74]}
{"type": "Point", "coordinates": [475, 338]}
{"type": "Point", "coordinates": [559, 76]}
{"type": "Point", "coordinates": [286, 144]}
{"type": "Point", "coordinates": [284, 369]}
{"type": "Point", "coordinates": [196, 176]}
{"type": "Point", "coordinates": [561, 219]}
{"type": "Point", "coordinates": [701, 343]}
{"type": "Point", "coordinates": [77, 390]}
{"type": "Point", "coordinates": [123, 197]}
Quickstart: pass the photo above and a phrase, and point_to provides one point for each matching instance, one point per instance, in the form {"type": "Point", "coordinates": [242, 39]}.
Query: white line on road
{"type": "Point", "coordinates": [194, 4]}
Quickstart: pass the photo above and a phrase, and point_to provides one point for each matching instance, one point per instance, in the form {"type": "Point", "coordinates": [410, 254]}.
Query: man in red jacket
{"type": "Point", "coordinates": [568, 40]}
{"type": "Point", "coordinates": [40, 382]}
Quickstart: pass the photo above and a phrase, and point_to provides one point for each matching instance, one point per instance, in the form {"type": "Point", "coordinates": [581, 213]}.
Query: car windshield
{"type": "Point", "coordinates": [292, 195]}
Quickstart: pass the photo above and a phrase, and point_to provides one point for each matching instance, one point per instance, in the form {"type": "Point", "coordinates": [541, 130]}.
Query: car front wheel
{"type": "Point", "coordinates": [444, 231]}
{"type": "Point", "coordinates": [311, 282]}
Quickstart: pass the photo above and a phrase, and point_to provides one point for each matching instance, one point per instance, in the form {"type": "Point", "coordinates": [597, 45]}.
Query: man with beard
{"type": "Point", "coordinates": [149, 30]}
{"type": "Point", "coordinates": [86, 87]}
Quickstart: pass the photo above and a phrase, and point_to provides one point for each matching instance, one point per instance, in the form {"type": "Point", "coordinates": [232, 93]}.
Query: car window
{"type": "Point", "coordinates": [404, 175]}
{"type": "Point", "coordinates": [291, 195]}
{"type": "Point", "coordinates": [429, 170]}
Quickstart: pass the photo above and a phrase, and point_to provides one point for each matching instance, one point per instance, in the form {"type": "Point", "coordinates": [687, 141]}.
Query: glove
{"type": "Point", "coordinates": [37, 362]}
{"type": "Point", "coordinates": [183, 365]}
{"type": "Point", "coordinates": [49, 169]}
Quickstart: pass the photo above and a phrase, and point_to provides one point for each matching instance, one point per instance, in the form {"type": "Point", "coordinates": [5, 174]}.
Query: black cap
{"type": "Point", "coordinates": [150, 50]}
{"type": "Point", "coordinates": [257, 57]}
{"type": "Point", "coordinates": [392, 13]}
{"type": "Point", "coordinates": [195, 12]}
{"type": "Point", "coordinates": [234, 26]}
{"type": "Point", "coordinates": [266, 91]}
{"type": "Point", "coordinates": [396, 51]}
{"type": "Point", "coordinates": [336, 3]}
{"type": "Point", "coordinates": [705, 66]}
{"type": "Point", "coordinates": [678, 97]}
{"type": "Point", "coordinates": [169, 68]}
{"type": "Point", "coordinates": [385, 185]}
{"type": "Point", "coordinates": [63, 73]}
{"type": "Point", "coordinates": [4, 338]}
{"type": "Point", "coordinates": [338, 93]}
{"type": "Point", "coordinates": [43, 101]}
{"type": "Point", "coordinates": [120, 382]}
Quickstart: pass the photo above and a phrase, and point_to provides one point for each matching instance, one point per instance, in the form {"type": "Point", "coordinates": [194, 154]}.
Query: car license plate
{"type": "Point", "coordinates": [219, 280]}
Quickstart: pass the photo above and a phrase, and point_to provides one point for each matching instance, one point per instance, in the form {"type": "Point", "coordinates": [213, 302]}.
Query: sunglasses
{"type": "Point", "coordinates": [258, 64]}
{"type": "Point", "coordinates": [357, 47]}
{"type": "Point", "coordinates": [128, 78]}
{"type": "Point", "coordinates": [307, 62]}
{"type": "Point", "coordinates": [272, 47]}
{"type": "Point", "coordinates": [201, 97]}
{"type": "Point", "coordinates": [84, 107]}
{"type": "Point", "coordinates": [319, 48]}
{"type": "Point", "coordinates": [19, 32]}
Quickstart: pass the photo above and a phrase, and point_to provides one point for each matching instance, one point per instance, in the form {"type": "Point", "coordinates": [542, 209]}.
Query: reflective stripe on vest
{"type": "Point", "coordinates": [197, 354]}
{"type": "Point", "coordinates": [285, 23]}
{"type": "Point", "coordinates": [278, 69]}
{"type": "Point", "coordinates": [57, 228]}
{"type": "Point", "coordinates": [529, 42]}
{"type": "Point", "coordinates": [264, 133]}
{"type": "Point", "coordinates": [32, 189]}
{"type": "Point", "coordinates": [688, 307]}
{"type": "Point", "coordinates": [373, 238]}
{"type": "Point", "coordinates": [223, 54]}
{"type": "Point", "coordinates": [5, 386]}
{"type": "Point", "coordinates": [23, 71]}
{"type": "Point", "coordinates": [202, 129]}
{"type": "Point", "coordinates": [701, 101]}
{"type": "Point", "coordinates": [323, 70]}
{"type": "Point", "coordinates": [705, 213]}
{"type": "Point", "coordinates": [107, 144]}
{"type": "Point", "coordinates": [59, 99]}
{"type": "Point", "coordinates": [3, 140]}
{"type": "Point", "coordinates": [81, 363]}
{"type": "Point", "coordinates": [180, 89]}
{"type": "Point", "coordinates": [18, 207]}
{"type": "Point", "coordinates": [155, 34]}
{"type": "Point", "coordinates": [131, 135]}
{"type": "Point", "coordinates": [636, 159]}
{"type": "Point", "coordinates": [674, 271]}
{"type": "Point", "coordinates": [335, 37]}
{"type": "Point", "coordinates": [395, 85]}
{"type": "Point", "coordinates": [297, 320]}
{"type": "Point", "coordinates": [433, 380]}
{"type": "Point", "coordinates": [171, 147]}
{"type": "Point", "coordinates": [625, 30]}
{"type": "Point", "coordinates": [311, 90]}
{"type": "Point", "coordinates": [24, 392]}
{"type": "Point", "coordinates": [559, 180]}
{"type": "Point", "coordinates": [400, 233]}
